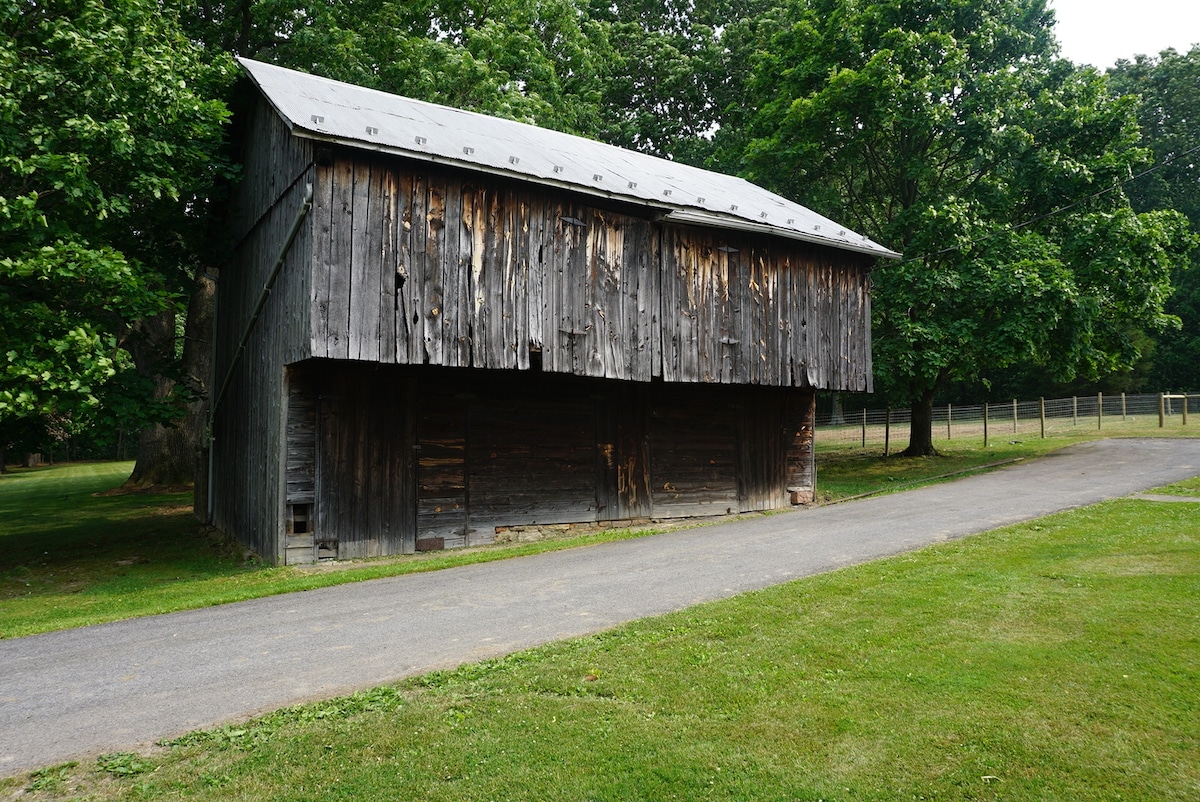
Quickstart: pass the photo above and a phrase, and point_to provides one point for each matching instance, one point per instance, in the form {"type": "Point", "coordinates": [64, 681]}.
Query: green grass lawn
{"type": "Point", "coordinates": [1053, 660]}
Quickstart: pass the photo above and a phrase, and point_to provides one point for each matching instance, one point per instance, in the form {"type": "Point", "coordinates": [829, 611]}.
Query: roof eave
{"type": "Point", "coordinates": [671, 213]}
{"type": "Point", "coordinates": [704, 218]}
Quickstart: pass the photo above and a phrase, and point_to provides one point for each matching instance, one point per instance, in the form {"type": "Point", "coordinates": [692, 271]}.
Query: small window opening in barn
{"type": "Point", "coordinates": [301, 519]}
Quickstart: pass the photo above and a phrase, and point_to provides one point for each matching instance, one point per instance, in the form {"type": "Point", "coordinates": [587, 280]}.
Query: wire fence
{"type": "Point", "coordinates": [1009, 420]}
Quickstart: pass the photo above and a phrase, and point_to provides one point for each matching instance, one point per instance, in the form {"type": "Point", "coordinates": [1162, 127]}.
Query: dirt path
{"type": "Point", "coordinates": [120, 686]}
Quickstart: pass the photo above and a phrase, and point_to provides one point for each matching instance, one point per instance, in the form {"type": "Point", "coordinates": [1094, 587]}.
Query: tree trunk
{"type": "Point", "coordinates": [168, 455]}
{"type": "Point", "coordinates": [920, 433]}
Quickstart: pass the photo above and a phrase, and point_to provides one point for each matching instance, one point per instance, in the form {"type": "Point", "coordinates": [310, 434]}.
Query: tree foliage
{"type": "Point", "coordinates": [1170, 106]}
{"type": "Point", "coordinates": [673, 73]}
{"type": "Point", "coordinates": [529, 60]}
{"type": "Point", "coordinates": [108, 132]}
{"type": "Point", "coordinates": [948, 129]}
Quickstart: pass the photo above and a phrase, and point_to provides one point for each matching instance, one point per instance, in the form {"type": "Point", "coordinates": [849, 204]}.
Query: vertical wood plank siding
{"type": "Point", "coordinates": [250, 437]}
{"type": "Point", "coordinates": [420, 266]}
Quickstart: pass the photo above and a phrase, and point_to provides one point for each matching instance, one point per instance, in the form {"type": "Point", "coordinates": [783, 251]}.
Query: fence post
{"type": "Point", "coordinates": [1122, 406]}
{"type": "Point", "coordinates": [1042, 414]}
{"type": "Point", "coordinates": [1162, 410]}
{"type": "Point", "coordinates": [1099, 411]}
{"type": "Point", "coordinates": [887, 432]}
{"type": "Point", "coordinates": [864, 445]}
{"type": "Point", "coordinates": [985, 421]}
{"type": "Point", "coordinates": [949, 415]}
{"type": "Point", "coordinates": [1074, 410]}
{"type": "Point", "coordinates": [1185, 408]}
{"type": "Point", "coordinates": [1014, 416]}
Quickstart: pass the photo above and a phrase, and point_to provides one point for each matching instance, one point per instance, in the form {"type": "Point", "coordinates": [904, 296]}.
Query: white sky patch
{"type": "Point", "coordinates": [1098, 32]}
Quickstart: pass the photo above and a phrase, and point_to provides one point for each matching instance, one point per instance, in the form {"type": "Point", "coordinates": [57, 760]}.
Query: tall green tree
{"type": "Point", "coordinates": [530, 60]}
{"type": "Point", "coordinates": [108, 138]}
{"type": "Point", "coordinates": [1169, 88]}
{"type": "Point", "coordinates": [949, 130]}
{"type": "Point", "coordinates": [673, 73]}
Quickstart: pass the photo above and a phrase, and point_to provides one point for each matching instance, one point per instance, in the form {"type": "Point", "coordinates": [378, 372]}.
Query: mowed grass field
{"type": "Point", "coordinates": [1054, 660]}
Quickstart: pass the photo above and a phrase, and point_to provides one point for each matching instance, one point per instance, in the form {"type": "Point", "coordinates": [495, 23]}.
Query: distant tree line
{"type": "Point", "coordinates": [1043, 207]}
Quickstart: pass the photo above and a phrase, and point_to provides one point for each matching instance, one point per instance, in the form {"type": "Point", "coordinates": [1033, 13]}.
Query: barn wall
{"type": "Point", "coordinates": [424, 458]}
{"type": "Point", "coordinates": [249, 428]}
{"type": "Point", "coordinates": [415, 265]}
{"type": "Point", "coordinates": [750, 310]}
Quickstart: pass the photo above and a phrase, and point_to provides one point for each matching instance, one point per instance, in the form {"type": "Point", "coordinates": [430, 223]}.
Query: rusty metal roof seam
{"type": "Point", "coordinates": [328, 110]}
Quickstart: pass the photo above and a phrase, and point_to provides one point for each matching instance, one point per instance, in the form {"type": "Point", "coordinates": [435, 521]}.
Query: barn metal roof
{"type": "Point", "coordinates": [333, 111]}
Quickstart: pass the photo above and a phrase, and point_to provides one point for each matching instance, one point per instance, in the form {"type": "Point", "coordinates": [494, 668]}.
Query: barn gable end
{"type": "Point", "coordinates": [447, 353]}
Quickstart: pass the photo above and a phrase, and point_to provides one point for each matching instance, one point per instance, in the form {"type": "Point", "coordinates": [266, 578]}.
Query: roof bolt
{"type": "Point", "coordinates": [513, 160]}
{"type": "Point", "coordinates": [817, 227]}
{"type": "Point", "coordinates": [763, 215]}
{"type": "Point", "coordinates": [372, 130]}
{"type": "Point", "coordinates": [597, 177]}
{"type": "Point", "coordinates": [733, 208]}
{"type": "Point", "coordinates": [421, 140]}
{"type": "Point", "coordinates": [468, 151]}
{"type": "Point", "coordinates": [667, 192]}
{"type": "Point", "coordinates": [841, 233]}
{"type": "Point", "coordinates": [633, 184]}
{"type": "Point", "coordinates": [699, 200]}
{"type": "Point", "coordinates": [791, 221]}
{"type": "Point", "coordinates": [318, 119]}
{"type": "Point", "coordinates": [558, 168]}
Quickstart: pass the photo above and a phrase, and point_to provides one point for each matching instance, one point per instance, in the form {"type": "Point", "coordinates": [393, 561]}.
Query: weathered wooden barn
{"type": "Point", "coordinates": [437, 326]}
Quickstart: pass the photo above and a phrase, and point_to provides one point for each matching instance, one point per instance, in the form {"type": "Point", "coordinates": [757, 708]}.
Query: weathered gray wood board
{"type": "Point", "coordinates": [441, 268]}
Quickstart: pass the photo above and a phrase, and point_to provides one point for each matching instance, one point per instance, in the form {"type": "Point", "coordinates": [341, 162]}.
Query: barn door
{"type": "Point", "coordinates": [441, 439]}
{"type": "Point", "coordinates": [693, 453]}
{"type": "Point", "coordinates": [531, 462]}
{"type": "Point", "coordinates": [364, 473]}
{"type": "Point", "coordinates": [300, 468]}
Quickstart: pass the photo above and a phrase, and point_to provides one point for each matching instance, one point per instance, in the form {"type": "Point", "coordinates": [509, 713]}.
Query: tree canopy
{"type": "Point", "coordinates": [949, 129]}
{"type": "Point", "coordinates": [108, 131]}
{"type": "Point", "coordinates": [1169, 88]}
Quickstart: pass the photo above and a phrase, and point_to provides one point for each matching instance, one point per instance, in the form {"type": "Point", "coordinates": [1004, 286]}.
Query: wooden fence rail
{"type": "Point", "coordinates": [1042, 417]}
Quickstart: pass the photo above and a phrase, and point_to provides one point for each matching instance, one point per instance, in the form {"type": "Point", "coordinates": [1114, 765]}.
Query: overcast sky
{"type": "Point", "coordinates": [1098, 32]}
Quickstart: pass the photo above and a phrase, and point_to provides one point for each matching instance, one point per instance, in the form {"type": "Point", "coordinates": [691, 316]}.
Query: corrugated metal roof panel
{"type": "Point", "coordinates": [341, 112]}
